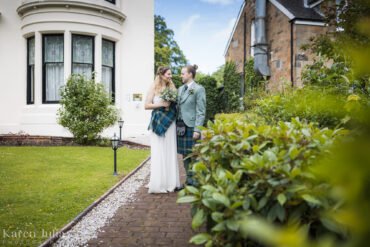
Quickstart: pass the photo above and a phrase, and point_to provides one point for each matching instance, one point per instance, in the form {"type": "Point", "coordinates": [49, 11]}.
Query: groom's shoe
{"type": "Point", "coordinates": [179, 188]}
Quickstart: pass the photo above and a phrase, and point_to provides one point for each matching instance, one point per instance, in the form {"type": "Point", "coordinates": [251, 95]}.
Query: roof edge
{"type": "Point", "coordinates": [234, 28]}
{"type": "Point", "coordinates": [281, 7]}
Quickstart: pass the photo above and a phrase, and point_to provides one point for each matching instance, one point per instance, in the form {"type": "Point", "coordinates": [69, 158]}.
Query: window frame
{"type": "Point", "coordinates": [44, 101]}
{"type": "Point", "coordinates": [93, 53]}
{"type": "Point", "coordinates": [253, 37]}
{"type": "Point", "coordinates": [113, 68]}
{"type": "Point", "coordinates": [30, 93]}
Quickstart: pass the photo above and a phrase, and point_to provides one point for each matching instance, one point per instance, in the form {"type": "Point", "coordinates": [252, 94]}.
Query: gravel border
{"type": "Point", "coordinates": [87, 224]}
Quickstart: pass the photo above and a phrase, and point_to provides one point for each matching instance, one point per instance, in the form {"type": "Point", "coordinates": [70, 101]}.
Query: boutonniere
{"type": "Point", "coordinates": [191, 90]}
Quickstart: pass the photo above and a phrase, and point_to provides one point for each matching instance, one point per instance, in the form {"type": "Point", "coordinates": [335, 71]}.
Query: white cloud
{"type": "Point", "coordinates": [188, 24]}
{"type": "Point", "coordinates": [222, 2]}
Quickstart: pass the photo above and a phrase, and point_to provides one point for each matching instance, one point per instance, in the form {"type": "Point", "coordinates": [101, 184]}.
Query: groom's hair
{"type": "Point", "coordinates": [192, 69]}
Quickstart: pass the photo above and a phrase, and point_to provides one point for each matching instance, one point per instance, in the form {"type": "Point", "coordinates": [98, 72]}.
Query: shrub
{"type": "Point", "coordinates": [255, 85]}
{"type": "Point", "coordinates": [212, 95]}
{"type": "Point", "coordinates": [231, 101]}
{"type": "Point", "coordinates": [333, 69]}
{"type": "Point", "coordinates": [86, 109]}
{"type": "Point", "coordinates": [244, 169]}
{"type": "Point", "coordinates": [310, 104]}
{"type": "Point", "coordinates": [177, 80]}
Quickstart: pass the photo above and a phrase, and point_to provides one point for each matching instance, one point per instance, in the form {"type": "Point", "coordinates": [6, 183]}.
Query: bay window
{"type": "Point", "coordinates": [30, 70]}
{"type": "Point", "coordinates": [83, 55]}
{"type": "Point", "coordinates": [53, 67]}
{"type": "Point", "coordinates": [108, 67]}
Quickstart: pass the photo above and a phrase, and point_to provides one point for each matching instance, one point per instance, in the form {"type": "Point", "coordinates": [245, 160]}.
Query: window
{"type": "Point", "coordinates": [30, 70]}
{"type": "Point", "coordinates": [253, 38]}
{"type": "Point", "coordinates": [83, 55]}
{"type": "Point", "coordinates": [108, 51]}
{"type": "Point", "coordinates": [53, 67]}
{"type": "Point", "coordinates": [111, 1]}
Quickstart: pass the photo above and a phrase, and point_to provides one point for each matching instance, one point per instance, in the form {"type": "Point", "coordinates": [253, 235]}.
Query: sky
{"type": "Point", "coordinates": [202, 28]}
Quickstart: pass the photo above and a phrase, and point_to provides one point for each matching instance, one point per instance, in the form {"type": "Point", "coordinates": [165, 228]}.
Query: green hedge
{"type": "Point", "coordinates": [309, 103]}
{"type": "Point", "coordinates": [212, 95]}
{"type": "Point", "coordinates": [244, 169]}
{"type": "Point", "coordinates": [231, 95]}
{"type": "Point", "coordinates": [177, 80]}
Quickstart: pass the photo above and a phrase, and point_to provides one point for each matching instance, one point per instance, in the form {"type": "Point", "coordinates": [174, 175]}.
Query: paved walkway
{"type": "Point", "coordinates": [151, 220]}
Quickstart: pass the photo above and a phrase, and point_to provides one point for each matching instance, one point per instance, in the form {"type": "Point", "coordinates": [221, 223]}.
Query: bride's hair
{"type": "Point", "coordinates": [192, 69]}
{"type": "Point", "coordinates": [160, 83]}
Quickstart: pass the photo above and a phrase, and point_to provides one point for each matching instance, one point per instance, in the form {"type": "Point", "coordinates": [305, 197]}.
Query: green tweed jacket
{"type": "Point", "coordinates": [192, 105]}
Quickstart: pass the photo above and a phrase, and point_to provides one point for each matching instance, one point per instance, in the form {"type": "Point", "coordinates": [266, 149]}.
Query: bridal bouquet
{"type": "Point", "coordinates": [170, 95]}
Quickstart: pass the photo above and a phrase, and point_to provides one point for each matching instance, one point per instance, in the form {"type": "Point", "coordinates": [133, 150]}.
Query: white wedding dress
{"type": "Point", "coordinates": [164, 167]}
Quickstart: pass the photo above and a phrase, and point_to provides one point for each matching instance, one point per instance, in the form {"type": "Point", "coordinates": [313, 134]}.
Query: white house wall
{"type": "Point", "coordinates": [134, 56]}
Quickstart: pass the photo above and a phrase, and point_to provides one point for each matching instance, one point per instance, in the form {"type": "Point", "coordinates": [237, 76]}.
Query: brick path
{"type": "Point", "coordinates": [151, 220]}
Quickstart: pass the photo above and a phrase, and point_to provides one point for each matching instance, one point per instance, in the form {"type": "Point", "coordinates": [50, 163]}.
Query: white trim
{"type": "Point", "coordinates": [315, 4]}
{"type": "Point", "coordinates": [282, 9]}
{"type": "Point", "coordinates": [310, 23]}
{"type": "Point", "coordinates": [234, 28]}
{"type": "Point", "coordinates": [305, 3]}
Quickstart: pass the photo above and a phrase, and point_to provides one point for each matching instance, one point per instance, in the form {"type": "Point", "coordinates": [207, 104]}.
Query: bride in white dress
{"type": "Point", "coordinates": [164, 169]}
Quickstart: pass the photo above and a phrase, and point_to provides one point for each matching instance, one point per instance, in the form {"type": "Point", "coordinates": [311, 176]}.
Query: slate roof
{"type": "Point", "coordinates": [297, 8]}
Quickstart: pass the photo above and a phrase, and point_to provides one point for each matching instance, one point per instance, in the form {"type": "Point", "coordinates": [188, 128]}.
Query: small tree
{"type": "Point", "coordinates": [219, 75]}
{"type": "Point", "coordinates": [212, 97]}
{"type": "Point", "coordinates": [86, 109]}
{"type": "Point", "coordinates": [255, 85]}
{"type": "Point", "coordinates": [231, 88]}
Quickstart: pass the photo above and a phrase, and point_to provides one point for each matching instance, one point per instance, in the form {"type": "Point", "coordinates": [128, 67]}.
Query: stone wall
{"type": "Point", "coordinates": [278, 38]}
{"type": "Point", "coordinates": [302, 35]}
{"type": "Point", "coordinates": [30, 140]}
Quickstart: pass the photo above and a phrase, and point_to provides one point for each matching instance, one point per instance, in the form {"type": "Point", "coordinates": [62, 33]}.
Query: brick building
{"type": "Point", "coordinates": [288, 25]}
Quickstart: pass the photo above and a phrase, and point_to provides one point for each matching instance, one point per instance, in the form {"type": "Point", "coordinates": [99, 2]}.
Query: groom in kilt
{"type": "Point", "coordinates": [191, 114]}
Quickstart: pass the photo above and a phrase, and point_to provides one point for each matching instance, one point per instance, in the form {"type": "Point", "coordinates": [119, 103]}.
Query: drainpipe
{"type": "Point", "coordinates": [244, 54]}
{"type": "Point", "coordinates": [260, 55]}
{"type": "Point", "coordinates": [292, 52]}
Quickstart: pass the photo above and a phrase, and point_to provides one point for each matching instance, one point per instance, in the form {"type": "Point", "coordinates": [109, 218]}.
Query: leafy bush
{"type": "Point", "coordinates": [244, 169]}
{"type": "Point", "coordinates": [347, 170]}
{"type": "Point", "coordinates": [333, 69]}
{"type": "Point", "coordinates": [255, 85]}
{"type": "Point", "coordinates": [212, 95]}
{"type": "Point", "coordinates": [247, 117]}
{"type": "Point", "coordinates": [86, 109]}
{"type": "Point", "coordinates": [231, 101]}
{"type": "Point", "coordinates": [309, 103]}
{"type": "Point", "coordinates": [177, 80]}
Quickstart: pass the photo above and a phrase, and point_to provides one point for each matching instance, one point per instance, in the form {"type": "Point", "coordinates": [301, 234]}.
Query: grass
{"type": "Point", "coordinates": [43, 188]}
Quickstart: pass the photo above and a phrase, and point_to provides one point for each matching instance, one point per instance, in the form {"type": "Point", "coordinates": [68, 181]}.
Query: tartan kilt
{"type": "Point", "coordinates": [186, 142]}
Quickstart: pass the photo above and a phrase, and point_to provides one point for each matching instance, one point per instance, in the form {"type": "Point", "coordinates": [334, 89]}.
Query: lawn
{"type": "Point", "coordinates": [43, 188]}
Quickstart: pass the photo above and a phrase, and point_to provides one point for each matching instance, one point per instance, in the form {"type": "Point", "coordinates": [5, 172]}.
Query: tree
{"type": "Point", "coordinates": [219, 75]}
{"type": "Point", "coordinates": [86, 109]}
{"type": "Point", "coordinates": [334, 47]}
{"type": "Point", "coordinates": [200, 75]}
{"type": "Point", "coordinates": [212, 96]}
{"type": "Point", "coordinates": [167, 51]}
{"type": "Point", "coordinates": [232, 88]}
{"type": "Point", "coordinates": [345, 16]}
